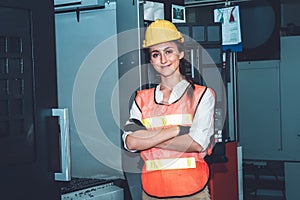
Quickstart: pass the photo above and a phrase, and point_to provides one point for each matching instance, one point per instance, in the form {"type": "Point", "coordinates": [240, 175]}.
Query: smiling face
{"type": "Point", "coordinates": [165, 58]}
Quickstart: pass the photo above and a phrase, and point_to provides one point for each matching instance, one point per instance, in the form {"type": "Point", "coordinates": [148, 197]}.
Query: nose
{"type": "Point", "coordinates": [163, 58]}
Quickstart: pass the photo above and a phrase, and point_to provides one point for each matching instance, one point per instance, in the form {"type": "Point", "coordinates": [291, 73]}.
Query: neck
{"type": "Point", "coordinates": [170, 82]}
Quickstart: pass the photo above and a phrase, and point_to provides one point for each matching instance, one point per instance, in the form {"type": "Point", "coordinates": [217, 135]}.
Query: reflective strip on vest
{"type": "Point", "coordinates": [176, 163]}
{"type": "Point", "coordinates": [167, 120]}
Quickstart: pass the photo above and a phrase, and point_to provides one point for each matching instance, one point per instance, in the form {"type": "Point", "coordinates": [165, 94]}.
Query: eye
{"type": "Point", "coordinates": [154, 55]}
{"type": "Point", "coordinates": [170, 51]}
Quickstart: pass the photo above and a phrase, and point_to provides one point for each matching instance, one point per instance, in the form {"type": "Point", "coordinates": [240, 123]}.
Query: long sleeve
{"type": "Point", "coordinates": [203, 123]}
{"type": "Point", "coordinates": [134, 114]}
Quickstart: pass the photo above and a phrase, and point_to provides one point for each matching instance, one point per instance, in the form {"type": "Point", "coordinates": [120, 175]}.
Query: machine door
{"type": "Point", "coordinates": [28, 133]}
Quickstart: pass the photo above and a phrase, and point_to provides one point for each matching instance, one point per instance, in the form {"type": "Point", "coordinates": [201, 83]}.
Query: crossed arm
{"type": "Point", "coordinates": [197, 139]}
{"type": "Point", "coordinates": [173, 138]}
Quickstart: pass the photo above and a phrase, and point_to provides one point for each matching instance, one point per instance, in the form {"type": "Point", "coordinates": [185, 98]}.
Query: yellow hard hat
{"type": "Point", "coordinates": [161, 31]}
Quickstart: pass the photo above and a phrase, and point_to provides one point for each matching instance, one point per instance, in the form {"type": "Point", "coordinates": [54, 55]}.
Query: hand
{"type": "Point", "coordinates": [183, 130]}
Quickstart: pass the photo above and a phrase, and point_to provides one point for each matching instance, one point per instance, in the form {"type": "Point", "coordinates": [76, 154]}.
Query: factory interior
{"type": "Point", "coordinates": [69, 70]}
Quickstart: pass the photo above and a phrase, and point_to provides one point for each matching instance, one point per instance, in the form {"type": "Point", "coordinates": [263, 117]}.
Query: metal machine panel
{"type": "Point", "coordinates": [259, 110]}
{"type": "Point", "coordinates": [79, 36]}
{"type": "Point", "coordinates": [61, 5]}
{"type": "Point", "coordinates": [290, 96]}
{"type": "Point", "coordinates": [292, 174]}
{"type": "Point", "coordinates": [268, 105]}
{"type": "Point", "coordinates": [130, 20]}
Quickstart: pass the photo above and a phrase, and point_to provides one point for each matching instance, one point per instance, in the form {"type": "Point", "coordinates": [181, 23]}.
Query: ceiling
{"type": "Point", "coordinates": [224, 1]}
{"type": "Point", "coordinates": [209, 2]}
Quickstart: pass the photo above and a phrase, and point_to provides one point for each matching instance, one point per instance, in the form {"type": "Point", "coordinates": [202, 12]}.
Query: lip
{"type": "Point", "coordinates": [165, 66]}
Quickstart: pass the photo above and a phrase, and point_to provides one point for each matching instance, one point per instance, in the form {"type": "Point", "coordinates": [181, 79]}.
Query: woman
{"type": "Point", "coordinates": [172, 124]}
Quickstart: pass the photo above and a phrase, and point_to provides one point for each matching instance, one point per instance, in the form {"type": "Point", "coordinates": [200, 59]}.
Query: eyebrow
{"type": "Point", "coordinates": [167, 48]}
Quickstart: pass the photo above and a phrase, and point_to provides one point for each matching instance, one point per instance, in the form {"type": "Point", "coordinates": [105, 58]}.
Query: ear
{"type": "Point", "coordinates": [181, 55]}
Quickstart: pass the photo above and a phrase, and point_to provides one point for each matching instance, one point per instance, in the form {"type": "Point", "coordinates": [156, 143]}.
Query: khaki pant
{"type": "Point", "coordinates": [203, 195]}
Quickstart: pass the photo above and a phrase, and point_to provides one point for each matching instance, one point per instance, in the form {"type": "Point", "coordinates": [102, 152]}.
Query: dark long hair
{"type": "Point", "coordinates": [185, 68]}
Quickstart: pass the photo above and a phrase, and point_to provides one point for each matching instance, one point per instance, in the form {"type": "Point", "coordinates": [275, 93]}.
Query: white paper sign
{"type": "Point", "coordinates": [229, 17]}
{"type": "Point", "coordinates": [153, 11]}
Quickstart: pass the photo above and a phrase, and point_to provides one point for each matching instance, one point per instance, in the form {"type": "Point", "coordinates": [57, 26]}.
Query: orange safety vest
{"type": "Point", "coordinates": [168, 173]}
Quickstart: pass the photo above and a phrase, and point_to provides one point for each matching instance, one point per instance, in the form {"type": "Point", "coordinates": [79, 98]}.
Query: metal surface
{"type": "Point", "coordinates": [259, 110]}
{"type": "Point", "coordinates": [65, 174]}
{"type": "Point", "coordinates": [89, 108]}
{"type": "Point", "coordinates": [235, 93]}
{"type": "Point", "coordinates": [240, 172]}
{"type": "Point", "coordinates": [290, 97]}
{"type": "Point", "coordinates": [130, 20]}
{"type": "Point", "coordinates": [76, 4]}
{"type": "Point", "coordinates": [197, 3]}
{"type": "Point", "coordinates": [100, 192]}
{"type": "Point", "coordinates": [292, 174]}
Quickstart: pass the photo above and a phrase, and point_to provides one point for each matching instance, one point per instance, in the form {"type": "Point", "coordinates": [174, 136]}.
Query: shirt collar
{"type": "Point", "coordinates": [176, 93]}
